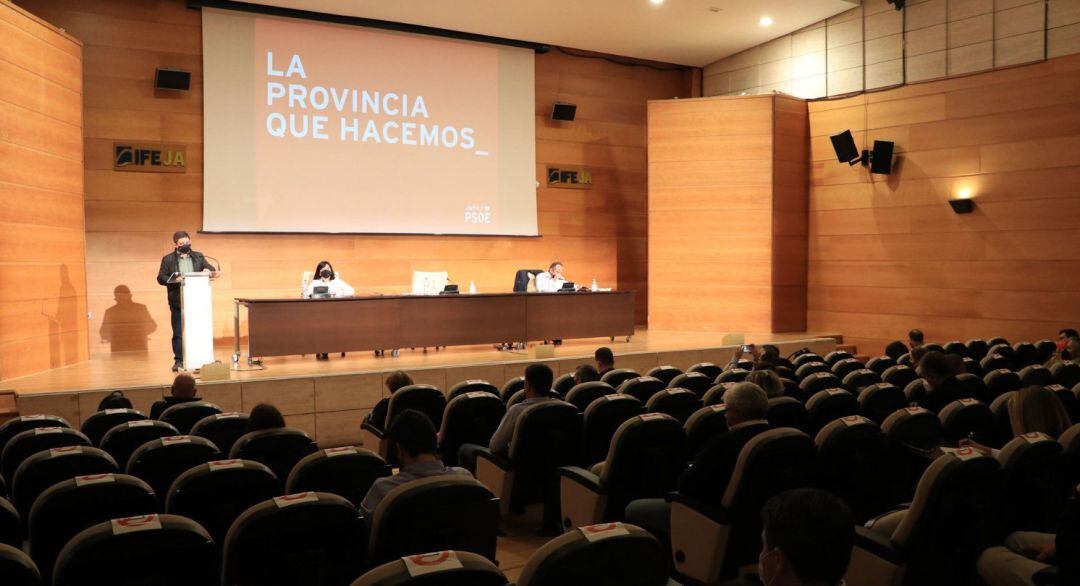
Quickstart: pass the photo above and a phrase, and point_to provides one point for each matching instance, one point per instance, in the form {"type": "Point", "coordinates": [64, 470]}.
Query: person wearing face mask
{"type": "Point", "coordinates": [181, 261]}
{"type": "Point", "coordinates": [807, 536]}
{"type": "Point", "coordinates": [327, 284]}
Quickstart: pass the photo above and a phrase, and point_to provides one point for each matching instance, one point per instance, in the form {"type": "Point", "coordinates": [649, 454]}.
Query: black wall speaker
{"type": "Point", "coordinates": [881, 157]}
{"type": "Point", "coordinates": [962, 206]}
{"type": "Point", "coordinates": [563, 111]}
{"type": "Point", "coordinates": [172, 79]}
{"type": "Point", "coordinates": [844, 145]}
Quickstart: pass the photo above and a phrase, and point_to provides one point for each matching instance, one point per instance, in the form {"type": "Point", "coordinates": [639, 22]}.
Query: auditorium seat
{"type": "Point", "coordinates": [784, 372]}
{"type": "Point", "coordinates": [916, 390]}
{"type": "Point", "coordinates": [122, 441]}
{"type": "Point", "coordinates": [880, 364]}
{"type": "Point", "coordinates": [827, 405]}
{"type": "Point", "coordinates": [70, 506]}
{"type": "Point", "coordinates": [678, 403]}
{"type": "Point", "coordinates": [97, 424]}
{"type": "Point", "coordinates": [952, 519]}
{"type": "Point", "coordinates": [976, 387]}
{"type": "Point", "coordinates": [601, 420]}
{"type": "Point", "coordinates": [857, 380]}
{"type": "Point", "coordinates": [510, 387]}
{"type": "Point", "coordinates": [791, 388]}
{"type": "Point", "coordinates": [899, 375]}
{"type": "Point", "coordinates": [280, 449]}
{"type": "Point", "coordinates": [695, 382]}
{"type": "Point", "coordinates": [615, 377]}
{"type": "Point", "coordinates": [802, 359]}
{"type": "Point", "coordinates": [214, 494]}
{"type": "Point", "coordinates": [743, 363]}
{"type": "Point", "coordinates": [347, 471]}
{"type": "Point", "coordinates": [732, 375]}
{"type": "Point", "coordinates": [520, 396]}
{"type": "Point", "coordinates": [836, 356]}
{"type": "Point", "coordinates": [424, 398]}
{"type": "Point", "coordinates": [913, 426]}
{"type": "Point", "coordinates": [1005, 351]}
{"type": "Point", "coordinates": [1026, 355]}
{"type": "Point", "coordinates": [17, 425]}
{"type": "Point", "coordinates": [222, 429]}
{"type": "Point", "coordinates": [807, 369]}
{"type": "Point", "coordinates": [11, 531]}
{"type": "Point", "coordinates": [1070, 444]}
{"type": "Point", "coordinates": [905, 360]}
{"type": "Point", "coordinates": [29, 442]}
{"type": "Point", "coordinates": [16, 568]}
{"type": "Point", "coordinates": [184, 416]}
{"type": "Point", "coordinates": [967, 418]}
{"type": "Point", "coordinates": [164, 550]}
{"type": "Point", "coordinates": [584, 394]}
{"type": "Point", "coordinates": [787, 412]}
{"type": "Point", "coordinates": [1046, 349]}
{"type": "Point", "coordinates": [818, 381]}
{"type": "Point", "coordinates": [1035, 374]}
{"type": "Point", "coordinates": [605, 554]}
{"type": "Point", "coordinates": [562, 384]}
{"type": "Point", "coordinates": [161, 461]}
{"type": "Point", "coordinates": [44, 469]}
{"type": "Point", "coordinates": [709, 369]}
{"type": "Point", "coordinates": [878, 401]}
{"type": "Point", "coordinates": [434, 513]}
{"type": "Point", "coordinates": [440, 568]}
{"type": "Point", "coordinates": [642, 388]}
{"type": "Point", "coordinates": [703, 425]}
{"type": "Point", "coordinates": [934, 347]}
{"type": "Point", "coordinates": [312, 538]}
{"type": "Point", "coordinates": [992, 362]}
{"type": "Point", "coordinates": [977, 348]}
{"type": "Point", "coordinates": [972, 366]}
{"type": "Point", "coordinates": [648, 453]}
{"type": "Point", "coordinates": [1000, 381]}
{"type": "Point", "coordinates": [665, 373]}
{"type": "Point", "coordinates": [710, 542]}
{"type": "Point", "coordinates": [956, 347]}
{"type": "Point", "coordinates": [842, 367]}
{"type": "Point", "coordinates": [470, 418]}
{"type": "Point", "coordinates": [854, 464]}
{"type": "Point", "coordinates": [995, 341]}
{"type": "Point", "coordinates": [472, 386]}
{"type": "Point", "coordinates": [715, 395]}
{"type": "Point", "coordinates": [1066, 374]}
{"type": "Point", "coordinates": [547, 435]}
{"type": "Point", "coordinates": [999, 408]}
{"type": "Point", "coordinates": [1035, 483]}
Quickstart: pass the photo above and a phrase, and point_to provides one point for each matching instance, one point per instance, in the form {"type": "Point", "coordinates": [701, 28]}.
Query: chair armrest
{"type": "Point", "coordinates": [1047, 577]}
{"type": "Point", "coordinates": [716, 513]}
{"type": "Point", "coordinates": [494, 458]}
{"type": "Point", "coordinates": [869, 523]}
{"type": "Point", "coordinates": [367, 426]}
{"type": "Point", "coordinates": [582, 477]}
{"type": "Point", "coordinates": [878, 545]}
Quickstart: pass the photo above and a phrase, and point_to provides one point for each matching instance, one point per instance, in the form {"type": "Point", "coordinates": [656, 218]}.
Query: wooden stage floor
{"type": "Point", "coordinates": [140, 369]}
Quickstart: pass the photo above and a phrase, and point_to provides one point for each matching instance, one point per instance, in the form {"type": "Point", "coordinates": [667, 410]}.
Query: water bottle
{"type": "Point", "coordinates": [303, 286]}
{"type": "Point", "coordinates": [472, 287]}
{"type": "Point", "coordinates": [594, 287]}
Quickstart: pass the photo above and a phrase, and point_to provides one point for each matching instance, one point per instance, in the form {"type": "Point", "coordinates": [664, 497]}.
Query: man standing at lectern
{"type": "Point", "coordinates": [182, 260]}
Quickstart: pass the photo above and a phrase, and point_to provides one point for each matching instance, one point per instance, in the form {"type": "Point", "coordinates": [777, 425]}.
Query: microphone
{"type": "Point", "coordinates": [217, 268]}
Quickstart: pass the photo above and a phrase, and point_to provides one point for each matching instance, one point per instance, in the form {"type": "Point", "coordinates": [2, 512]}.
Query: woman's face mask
{"type": "Point", "coordinates": [326, 273]}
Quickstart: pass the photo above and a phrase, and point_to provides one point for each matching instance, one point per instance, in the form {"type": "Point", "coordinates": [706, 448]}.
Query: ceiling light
{"type": "Point", "coordinates": [765, 21]}
{"type": "Point", "coordinates": [656, 2]}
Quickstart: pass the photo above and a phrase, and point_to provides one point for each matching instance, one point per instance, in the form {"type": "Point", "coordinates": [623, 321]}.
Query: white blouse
{"type": "Point", "coordinates": [337, 288]}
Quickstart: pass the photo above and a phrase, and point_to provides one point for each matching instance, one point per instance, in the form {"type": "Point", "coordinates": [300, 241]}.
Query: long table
{"type": "Point", "coordinates": [283, 327]}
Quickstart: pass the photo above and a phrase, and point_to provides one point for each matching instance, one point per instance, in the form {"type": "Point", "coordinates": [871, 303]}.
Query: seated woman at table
{"type": "Point", "coordinates": [327, 284]}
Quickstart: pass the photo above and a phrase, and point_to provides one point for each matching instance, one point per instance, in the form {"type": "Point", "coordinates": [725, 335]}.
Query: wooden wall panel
{"type": "Point", "coordinates": [599, 233]}
{"type": "Point", "coordinates": [43, 263]}
{"type": "Point", "coordinates": [887, 253]}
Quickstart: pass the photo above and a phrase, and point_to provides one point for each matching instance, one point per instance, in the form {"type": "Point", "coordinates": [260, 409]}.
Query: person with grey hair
{"type": "Point", "coordinates": [769, 382]}
{"type": "Point", "coordinates": [707, 477]}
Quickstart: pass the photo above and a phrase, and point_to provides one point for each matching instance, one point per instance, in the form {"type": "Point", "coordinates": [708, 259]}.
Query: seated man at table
{"type": "Point", "coordinates": [552, 279]}
{"type": "Point", "coordinates": [538, 379]}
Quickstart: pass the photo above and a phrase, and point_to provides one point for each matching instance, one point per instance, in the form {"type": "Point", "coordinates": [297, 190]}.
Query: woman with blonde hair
{"type": "Point", "coordinates": [1032, 409]}
{"type": "Point", "coordinates": [768, 380]}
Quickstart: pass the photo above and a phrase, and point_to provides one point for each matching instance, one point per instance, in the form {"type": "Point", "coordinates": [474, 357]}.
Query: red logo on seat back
{"type": "Point", "coordinates": [232, 415]}
{"type": "Point", "coordinates": [176, 439]}
{"type": "Point", "coordinates": [603, 531]}
{"type": "Point", "coordinates": [224, 464]}
{"type": "Point", "coordinates": [65, 450]}
{"type": "Point", "coordinates": [94, 479]}
{"type": "Point", "coordinates": [138, 523]}
{"type": "Point", "coordinates": [427, 563]}
{"type": "Point", "coordinates": [141, 423]}
{"type": "Point", "coordinates": [331, 452]}
{"type": "Point", "coordinates": [41, 430]}
{"type": "Point", "coordinates": [292, 499]}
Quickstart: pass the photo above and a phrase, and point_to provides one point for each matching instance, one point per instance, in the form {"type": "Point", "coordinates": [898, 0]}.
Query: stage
{"type": "Point", "coordinates": [329, 398]}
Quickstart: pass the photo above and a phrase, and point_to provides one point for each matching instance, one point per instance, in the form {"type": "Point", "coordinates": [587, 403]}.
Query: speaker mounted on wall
{"type": "Point", "coordinates": [844, 146]}
{"type": "Point", "coordinates": [564, 111]}
{"type": "Point", "coordinates": [172, 79]}
{"type": "Point", "coordinates": [881, 157]}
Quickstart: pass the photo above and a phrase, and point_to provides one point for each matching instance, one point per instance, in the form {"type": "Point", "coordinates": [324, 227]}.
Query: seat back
{"type": "Point", "coordinates": [184, 416]}
{"type": "Point", "coordinates": [122, 441]}
{"type": "Point", "coordinates": [510, 387]}
{"type": "Point", "coordinates": [17, 425]}
{"type": "Point", "coordinates": [1066, 373]}
{"type": "Point", "coordinates": [29, 442]}
{"type": "Point", "coordinates": [347, 471]}
{"type": "Point", "coordinates": [837, 356]}
{"type": "Point", "coordinates": [160, 462]}
{"type": "Point", "coordinates": [973, 366]}
{"type": "Point", "coordinates": [524, 278]}
{"type": "Point", "coordinates": [842, 367]}
{"type": "Point", "coordinates": [214, 494]}
{"type": "Point", "coordinates": [808, 368]}
{"type": "Point", "coordinates": [955, 347]}
{"type": "Point", "coordinates": [916, 390]}
{"type": "Point", "coordinates": [602, 419]}
{"type": "Point", "coordinates": [695, 382]}
{"type": "Point", "coordinates": [16, 568]}
{"type": "Point", "coordinates": [1026, 354]}
{"type": "Point", "coordinates": [439, 568]}
{"type": "Point", "coordinates": [423, 398]}
{"type": "Point", "coordinates": [471, 418]}
{"type": "Point", "coordinates": [708, 369]}
{"type": "Point", "coordinates": [732, 375]}
{"type": "Point", "coordinates": [1036, 374]}
{"type": "Point", "coordinates": [715, 395]}
{"type": "Point", "coordinates": [828, 405]}
{"type": "Point", "coordinates": [1046, 349]}
{"type": "Point", "coordinates": [643, 388]}
{"type": "Point", "coordinates": [280, 449]}
{"type": "Point", "coordinates": [899, 375]}
{"type": "Point", "coordinates": [854, 463]}
{"type": "Point", "coordinates": [547, 435]}
{"type": "Point", "coordinates": [806, 357]}
{"type": "Point", "coordinates": [787, 412]}
{"type": "Point", "coordinates": [879, 401]}
{"type": "Point", "coordinates": [880, 364]}
{"type": "Point", "coordinates": [137, 550]}
{"type": "Point", "coordinates": [616, 376]}
{"type": "Point", "coordinates": [223, 429]}
{"type": "Point", "coordinates": [70, 506]}
{"type": "Point", "coordinates": [1070, 444]}
{"type": "Point", "coordinates": [438, 512]}
{"type": "Point", "coordinates": [999, 408]}
{"type": "Point", "coordinates": [648, 453]}
{"type": "Point", "coordinates": [857, 380]}
{"type": "Point", "coordinates": [563, 383]}
{"type": "Point", "coordinates": [678, 403]}
{"type": "Point", "coordinates": [1000, 381]}
{"type": "Point", "coordinates": [913, 426]}
{"type": "Point", "coordinates": [519, 396]}
{"type": "Point", "coordinates": [994, 362]}
{"type": "Point", "coordinates": [44, 469]}
{"type": "Point", "coordinates": [976, 348]}
{"type": "Point", "coordinates": [97, 424]}
{"type": "Point", "coordinates": [966, 418]}
{"type": "Point", "coordinates": [705, 424]}
{"type": "Point", "coordinates": [472, 386]}
{"type": "Point", "coordinates": [811, 384]}
{"type": "Point", "coordinates": [1035, 482]}
{"type": "Point", "coordinates": [975, 386]}
{"type": "Point", "coordinates": [312, 538]}
{"type": "Point", "coordinates": [609, 553]}
{"type": "Point", "coordinates": [582, 395]}
{"type": "Point", "coordinates": [11, 531]}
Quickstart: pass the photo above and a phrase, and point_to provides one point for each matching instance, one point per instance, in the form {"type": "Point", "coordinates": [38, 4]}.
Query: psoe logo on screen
{"type": "Point", "coordinates": [574, 178]}
{"type": "Point", "coordinates": [478, 214]}
{"type": "Point", "coordinates": [151, 157]}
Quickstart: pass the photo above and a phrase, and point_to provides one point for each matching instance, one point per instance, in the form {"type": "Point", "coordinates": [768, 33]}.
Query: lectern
{"type": "Point", "coordinates": [197, 313]}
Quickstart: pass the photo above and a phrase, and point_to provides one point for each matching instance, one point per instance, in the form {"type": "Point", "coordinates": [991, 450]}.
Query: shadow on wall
{"type": "Point", "coordinates": [126, 326]}
{"type": "Point", "coordinates": [63, 323]}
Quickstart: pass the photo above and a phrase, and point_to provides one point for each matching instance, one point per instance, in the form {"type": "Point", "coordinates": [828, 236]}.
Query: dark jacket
{"type": "Point", "coordinates": [707, 478]}
{"type": "Point", "coordinates": [159, 407]}
{"type": "Point", "coordinates": [951, 389]}
{"type": "Point", "coordinates": [377, 417]}
{"type": "Point", "coordinates": [170, 263]}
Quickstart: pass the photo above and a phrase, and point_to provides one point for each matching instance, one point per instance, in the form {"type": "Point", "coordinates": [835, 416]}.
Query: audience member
{"type": "Point", "coordinates": [114, 400]}
{"type": "Point", "coordinates": [1032, 409]}
{"type": "Point", "coordinates": [896, 349]}
{"type": "Point", "coordinates": [944, 388]}
{"type": "Point", "coordinates": [768, 380]}
{"type": "Point", "coordinates": [538, 379]}
{"type": "Point", "coordinates": [915, 339]}
{"type": "Point", "coordinates": [585, 373]}
{"type": "Point", "coordinates": [917, 355]}
{"type": "Point", "coordinates": [181, 391]}
{"type": "Point", "coordinates": [265, 416]}
{"type": "Point", "coordinates": [1067, 333]}
{"type": "Point", "coordinates": [395, 381]}
{"type": "Point", "coordinates": [769, 358]}
{"type": "Point", "coordinates": [1026, 553]}
{"type": "Point", "coordinates": [740, 354]}
{"type": "Point", "coordinates": [414, 437]}
{"type": "Point", "coordinates": [1067, 349]}
{"type": "Point", "coordinates": [806, 539]}
{"type": "Point", "coordinates": [605, 360]}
